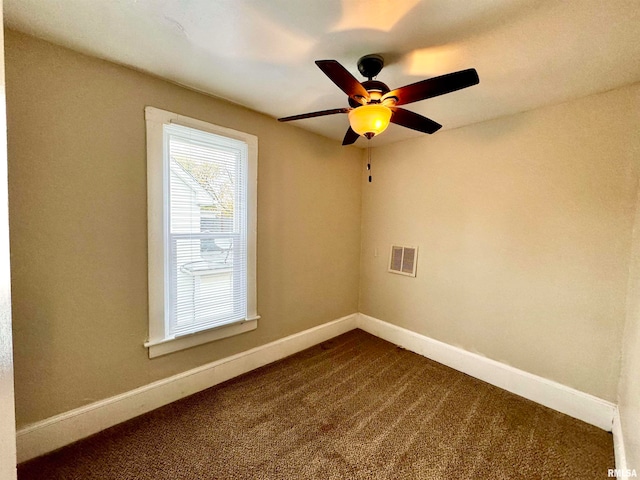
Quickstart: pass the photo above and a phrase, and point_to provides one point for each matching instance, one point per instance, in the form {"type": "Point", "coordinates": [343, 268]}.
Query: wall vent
{"type": "Point", "coordinates": [403, 260]}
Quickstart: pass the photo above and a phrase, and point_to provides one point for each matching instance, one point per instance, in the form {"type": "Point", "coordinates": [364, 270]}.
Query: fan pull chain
{"type": "Point", "coordinates": [369, 158]}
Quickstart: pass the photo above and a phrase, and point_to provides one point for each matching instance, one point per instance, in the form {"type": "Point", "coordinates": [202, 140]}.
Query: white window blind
{"type": "Point", "coordinates": [206, 221]}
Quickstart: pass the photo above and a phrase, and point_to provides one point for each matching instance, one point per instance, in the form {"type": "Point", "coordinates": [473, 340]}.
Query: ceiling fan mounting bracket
{"type": "Point", "coordinates": [370, 65]}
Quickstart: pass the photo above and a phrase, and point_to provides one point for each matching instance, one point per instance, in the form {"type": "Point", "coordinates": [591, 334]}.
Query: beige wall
{"type": "Point", "coordinates": [524, 231]}
{"type": "Point", "coordinates": [629, 388]}
{"type": "Point", "coordinates": [77, 186]}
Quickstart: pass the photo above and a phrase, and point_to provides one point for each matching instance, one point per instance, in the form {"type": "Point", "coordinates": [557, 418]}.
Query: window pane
{"type": "Point", "coordinates": [207, 229]}
{"type": "Point", "coordinates": [203, 186]}
{"type": "Point", "coordinates": [204, 283]}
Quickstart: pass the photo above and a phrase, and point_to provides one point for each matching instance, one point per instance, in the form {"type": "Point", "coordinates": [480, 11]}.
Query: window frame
{"type": "Point", "coordinates": [160, 342]}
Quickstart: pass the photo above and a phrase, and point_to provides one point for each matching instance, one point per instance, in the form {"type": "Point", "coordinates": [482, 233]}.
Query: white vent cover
{"type": "Point", "coordinates": [403, 260]}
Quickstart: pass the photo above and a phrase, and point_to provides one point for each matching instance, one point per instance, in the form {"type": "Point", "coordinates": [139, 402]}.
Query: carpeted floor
{"type": "Point", "coordinates": [355, 407]}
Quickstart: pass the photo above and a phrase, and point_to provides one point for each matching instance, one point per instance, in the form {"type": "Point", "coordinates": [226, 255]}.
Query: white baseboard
{"type": "Point", "coordinates": [569, 401]}
{"type": "Point", "coordinates": [618, 442]}
{"type": "Point", "coordinates": [55, 432]}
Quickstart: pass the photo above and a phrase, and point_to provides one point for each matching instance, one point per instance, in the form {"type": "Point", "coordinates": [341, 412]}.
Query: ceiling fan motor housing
{"type": "Point", "coordinates": [370, 65]}
{"type": "Point", "coordinates": [375, 88]}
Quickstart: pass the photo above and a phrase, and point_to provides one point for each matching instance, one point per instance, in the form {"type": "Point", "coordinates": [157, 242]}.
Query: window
{"type": "Point", "coordinates": [202, 185]}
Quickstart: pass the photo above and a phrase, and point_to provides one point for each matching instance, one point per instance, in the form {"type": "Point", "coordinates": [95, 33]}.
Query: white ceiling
{"type": "Point", "coordinates": [260, 53]}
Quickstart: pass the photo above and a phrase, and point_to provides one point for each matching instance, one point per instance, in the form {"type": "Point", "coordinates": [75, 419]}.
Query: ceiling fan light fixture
{"type": "Point", "coordinates": [370, 119]}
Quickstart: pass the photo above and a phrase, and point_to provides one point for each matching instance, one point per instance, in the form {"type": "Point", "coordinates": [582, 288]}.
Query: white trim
{"type": "Point", "coordinates": [55, 432]}
{"type": "Point", "coordinates": [170, 345]}
{"type": "Point", "coordinates": [577, 404]}
{"type": "Point", "coordinates": [7, 401]}
{"type": "Point", "coordinates": [618, 442]}
{"type": "Point", "coordinates": [155, 221]}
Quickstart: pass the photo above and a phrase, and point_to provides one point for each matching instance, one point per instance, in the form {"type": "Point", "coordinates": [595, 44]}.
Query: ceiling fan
{"type": "Point", "coordinates": [372, 105]}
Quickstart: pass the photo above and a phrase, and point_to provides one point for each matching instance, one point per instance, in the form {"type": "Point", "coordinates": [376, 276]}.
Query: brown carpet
{"type": "Point", "coordinates": [355, 407]}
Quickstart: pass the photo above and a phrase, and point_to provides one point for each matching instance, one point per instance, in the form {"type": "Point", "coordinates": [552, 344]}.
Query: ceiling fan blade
{"type": "Point", "coordinates": [413, 120]}
{"type": "Point", "coordinates": [432, 87]}
{"type": "Point", "coordinates": [350, 137]}
{"type": "Point", "coordinates": [314, 114]}
{"type": "Point", "coordinates": [343, 79]}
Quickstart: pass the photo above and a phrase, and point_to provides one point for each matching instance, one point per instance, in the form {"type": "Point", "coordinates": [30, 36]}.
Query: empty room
{"type": "Point", "coordinates": [338, 239]}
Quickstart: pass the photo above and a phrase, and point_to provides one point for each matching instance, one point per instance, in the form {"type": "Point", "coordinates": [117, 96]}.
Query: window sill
{"type": "Point", "coordinates": [163, 347]}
